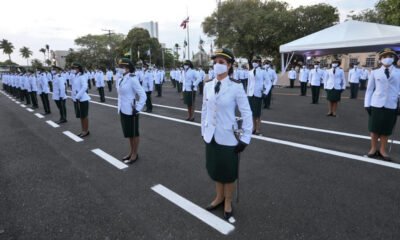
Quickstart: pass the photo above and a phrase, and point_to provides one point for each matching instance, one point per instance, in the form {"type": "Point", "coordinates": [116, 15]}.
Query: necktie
{"type": "Point", "coordinates": [217, 87]}
{"type": "Point", "coordinates": [387, 73]}
{"type": "Point", "coordinates": [334, 70]}
{"type": "Point", "coordinates": [254, 72]}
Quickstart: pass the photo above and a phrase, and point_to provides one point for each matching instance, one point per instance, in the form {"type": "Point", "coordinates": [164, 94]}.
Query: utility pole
{"type": "Point", "coordinates": [109, 32]}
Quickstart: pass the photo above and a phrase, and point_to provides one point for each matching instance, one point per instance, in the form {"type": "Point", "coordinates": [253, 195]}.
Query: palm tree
{"type": "Point", "coordinates": [26, 53]}
{"type": "Point", "coordinates": [48, 50]}
{"type": "Point", "coordinates": [7, 47]}
{"type": "Point", "coordinates": [42, 50]}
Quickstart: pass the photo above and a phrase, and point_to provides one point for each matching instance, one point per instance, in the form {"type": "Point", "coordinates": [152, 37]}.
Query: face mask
{"type": "Point", "coordinates": [220, 68]}
{"type": "Point", "coordinates": [254, 64]}
{"type": "Point", "coordinates": [387, 61]}
{"type": "Point", "coordinates": [121, 70]}
{"type": "Point", "coordinates": [185, 67]}
{"type": "Point", "coordinates": [53, 72]}
{"type": "Point", "coordinates": [73, 71]}
{"type": "Point", "coordinates": [355, 66]}
{"type": "Point", "coordinates": [334, 65]}
{"type": "Point", "coordinates": [316, 66]}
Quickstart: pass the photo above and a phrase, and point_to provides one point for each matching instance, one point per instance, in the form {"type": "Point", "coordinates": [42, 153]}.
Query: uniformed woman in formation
{"type": "Point", "coordinates": [190, 81]}
{"type": "Point", "coordinates": [334, 84]}
{"type": "Point", "coordinates": [59, 94]}
{"type": "Point", "coordinates": [79, 86]}
{"type": "Point", "coordinates": [381, 102]}
{"type": "Point", "coordinates": [128, 87]}
{"type": "Point", "coordinates": [222, 95]}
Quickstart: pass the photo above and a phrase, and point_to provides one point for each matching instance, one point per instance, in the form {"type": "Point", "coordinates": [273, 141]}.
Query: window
{"type": "Point", "coordinates": [352, 61]}
{"type": "Point", "coordinates": [370, 62]}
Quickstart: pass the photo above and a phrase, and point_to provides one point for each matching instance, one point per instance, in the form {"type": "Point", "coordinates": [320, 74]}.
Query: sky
{"type": "Point", "coordinates": [36, 23]}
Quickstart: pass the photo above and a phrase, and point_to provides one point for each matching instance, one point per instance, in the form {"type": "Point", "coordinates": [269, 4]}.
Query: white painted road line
{"type": "Point", "coordinates": [39, 115]}
{"type": "Point", "coordinates": [198, 212]}
{"type": "Point", "coordinates": [330, 152]}
{"type": "Point", "coordinates": [53, 124]}
{"type": "Point", "coordinates": [283, 142]}
{"type": "Point", "coordinates": [22, 105]}
{"type": "Point", "coordinates": [73, 136]}
{"type": "Point", "coordinates": [29, 110]}
{"type": "Point", "coordinates": [17, 102]}
{"type": "Point", "coordinates": [112, 160]}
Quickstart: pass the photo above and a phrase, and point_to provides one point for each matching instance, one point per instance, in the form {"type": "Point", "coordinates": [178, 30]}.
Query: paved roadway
{"type": "Point", "coordinates": [295, 183]}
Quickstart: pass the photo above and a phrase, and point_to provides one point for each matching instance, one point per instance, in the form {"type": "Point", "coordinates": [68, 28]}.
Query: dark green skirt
{"type": "Point", "coordinates": [81, 109]}
{"type": "Point", "coordinates": [333, 95]}
{"type": "Point", "coordinates": [221, 162]}
{"type": "Point", "coordinates": [189, 97]}
{"type": "Point", "coordinates": [130, 125]}
{"type": "Point", "coordinates": [382, 121]}
{"type": "Point", "coordinates": [255, 106]}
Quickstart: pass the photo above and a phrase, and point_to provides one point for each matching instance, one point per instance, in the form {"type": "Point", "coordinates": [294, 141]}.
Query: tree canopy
{"type": "Point", "coordinates": [254, 27]}
{"type": "Point", "coordinates": [385, 12]}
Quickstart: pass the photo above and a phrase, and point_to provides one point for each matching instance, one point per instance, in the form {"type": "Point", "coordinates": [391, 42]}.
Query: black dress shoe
{"type": "Point", "coordinates": [126, 158]}
{"type": "Point", "coordinates": [211, 207]}
{"type": "Point", "coordinates": [63, 121]}
{"type": "Point", "coordinates": [85, 134]}
{"type": "Point", "coordinates": [130, 161]}
{"type": "Point", "coordinates": [228, 216]}
{"type": "Point", "coordinates": [329, 114]}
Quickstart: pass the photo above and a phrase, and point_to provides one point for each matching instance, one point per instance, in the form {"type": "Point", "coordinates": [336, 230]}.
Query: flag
{"type": "Point", "coordinates": [184, 23]}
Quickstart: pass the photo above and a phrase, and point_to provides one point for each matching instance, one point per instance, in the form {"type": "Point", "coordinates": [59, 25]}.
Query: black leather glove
{"type": "Point", "coordinates": [240, 147]}
{"type": "Point", "coordinates": [368, 109]}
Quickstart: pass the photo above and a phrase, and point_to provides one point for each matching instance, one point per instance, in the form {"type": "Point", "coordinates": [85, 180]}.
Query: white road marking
{"type": "Point", "coordinates": [278, 124]}
{"type": "Point", "coordinates": [17, 102]}
{"type": "Point", "coordinates": [39, 115]}
{"type": "Point", "coordinates": [283, 142]}
{"type": "Point", "coordinates": [198, 212]}
{"type": "Point", "coordinates": [73, 136]}
{"type": "Point", "coordinates": [112, 160]}
{"type": "Point", "coordinates": [53, 124]}
{"type": "Point", "coordinates": [22, 105]}
{"type": "Point", "coordinates": [29, 110]}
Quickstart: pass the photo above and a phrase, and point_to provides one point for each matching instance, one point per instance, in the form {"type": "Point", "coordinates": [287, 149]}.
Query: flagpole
{"type": "Point", "coordinates": [187, 13]}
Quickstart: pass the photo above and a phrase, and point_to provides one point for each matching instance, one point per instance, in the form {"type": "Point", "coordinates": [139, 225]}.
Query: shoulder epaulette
{"type": "Point", "coordinates": [234, 80]}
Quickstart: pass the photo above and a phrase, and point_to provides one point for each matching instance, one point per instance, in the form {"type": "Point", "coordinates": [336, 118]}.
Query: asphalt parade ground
{"type": "Point", "coordinates": [306, 177]}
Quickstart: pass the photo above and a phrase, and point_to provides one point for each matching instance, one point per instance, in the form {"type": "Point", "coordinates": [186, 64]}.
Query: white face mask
{"type": "Point", "coordinates": [120, 70]}
{"type": "Point", "coordinates": [220, 68]}
{"type": "Point", "coordinates": [334, 65]}
{"type": "Point", "coordinates": [355, 66]}
{"type": "Point", "coordinates": [316, 66]}
{"type": "Point", "coordinates": [185, 67]}
{"type": "Point", "coordinates": [73, 71]}
{"type": "Point", "coordinates": [387, 61]}
{"type": "Point", "coordinates": [266, 66]}
{"type": "Point", "coordinates": [254, 64]}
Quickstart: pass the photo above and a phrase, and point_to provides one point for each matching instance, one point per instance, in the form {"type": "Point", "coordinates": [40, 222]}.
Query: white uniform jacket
{"type": "Point", "coordinates": [292, 74]}
{"type": "Point", "coordinates": [99, 79]}
{"type": "Point", "coordinates": [303, 75]}
{"type": "Point", "coordinates": [218, 113]}
{"type": "Point", "coordinates": [316, 76]}
{"type": "Point", "coordinates": [128, 87]}
{"type": "Point", "coordinates": [79, 88]}
{"type": "Point", "coordinates": [258, 84]}
{"type": "Point", "coordinates": [335, 81]}
{"type": "Point", "coordinates": [148, 81]}
{"type": "Point", "coordinates": [109, 75]}
{"type": "Point", "coordinates": [191, 79]}
{"type": "Point", "coordinates": [354, 75]}
{"type": "Point", "coordinates": [59, 87]}
{"type": "Point", "coordinates": [381, 91]}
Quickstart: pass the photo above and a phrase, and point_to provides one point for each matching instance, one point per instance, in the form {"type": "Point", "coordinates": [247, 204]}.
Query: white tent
{"type": "Point", "coordinates": [348, 37]}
